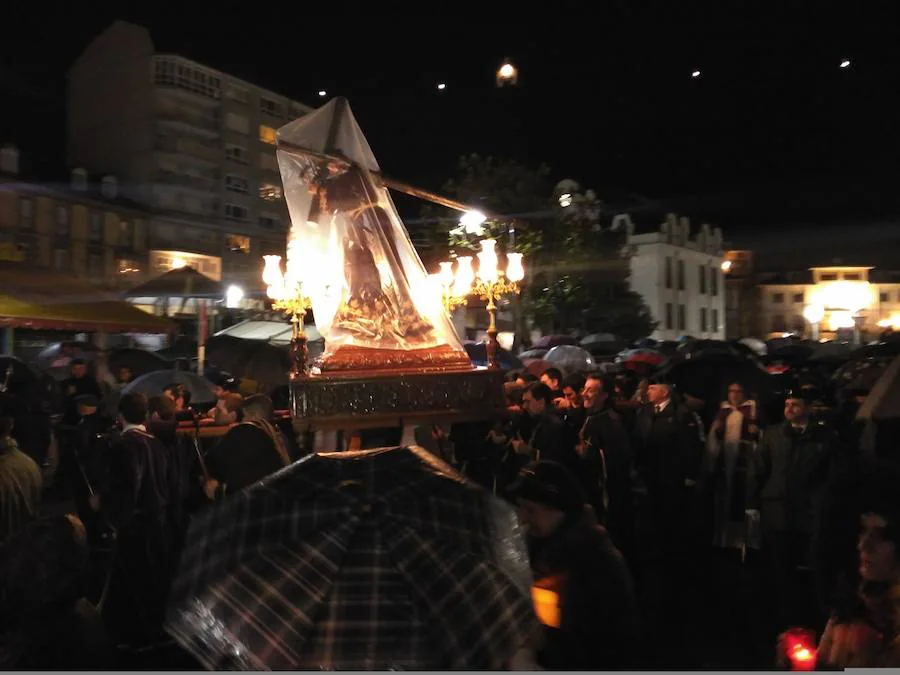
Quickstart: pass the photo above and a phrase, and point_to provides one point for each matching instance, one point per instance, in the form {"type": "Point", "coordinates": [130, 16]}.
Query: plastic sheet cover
{"type": "Point", "coordinates": [348, 246]}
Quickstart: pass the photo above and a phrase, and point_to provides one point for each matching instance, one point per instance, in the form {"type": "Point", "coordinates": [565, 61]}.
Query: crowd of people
{"type": "Point", "coordinates": [629, 496]}
{"type": "Point", "coordinates": [133, 481]}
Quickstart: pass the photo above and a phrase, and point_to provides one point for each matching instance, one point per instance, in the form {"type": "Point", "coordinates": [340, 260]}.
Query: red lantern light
{"type": "Point", "coordinates": [801, 649]}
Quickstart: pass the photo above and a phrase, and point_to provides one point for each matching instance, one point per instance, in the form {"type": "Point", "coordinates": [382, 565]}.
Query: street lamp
{"type": "Point", "coordinates": [233, 297]}
{"type": "Point", "coordinates": [507, 74]}
{"type": "Point", "coordinates": [287, 294]}
{"type": "Point", "coordinates": [814, 314]}
{"type": "Point", "coordinates": [490, 283]}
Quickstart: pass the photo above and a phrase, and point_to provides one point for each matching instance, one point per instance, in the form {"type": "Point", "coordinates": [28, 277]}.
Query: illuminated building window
{"type": "Point", "coordinates": [269, 192]}
{"type": "Point", "coordinates": [266, 134]}
{"type": "Point", "coordinates": [128, 266]}
{"type": "Point", "coordinates": [237, 243]}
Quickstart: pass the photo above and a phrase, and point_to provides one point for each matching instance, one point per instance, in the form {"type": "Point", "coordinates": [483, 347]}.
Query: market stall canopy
{"type": "Point", "coordinates": [111, 317]}
{"type": "Point", "coordinates": [182, 282]}
{"type": "Point", "coordinates": [274, 332]}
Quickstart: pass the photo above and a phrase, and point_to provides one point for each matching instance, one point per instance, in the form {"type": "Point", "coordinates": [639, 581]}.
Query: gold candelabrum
{"type": "Point", "coordinates": [286, 292]}
{"type": "Point", "coordinates": [489, 283]}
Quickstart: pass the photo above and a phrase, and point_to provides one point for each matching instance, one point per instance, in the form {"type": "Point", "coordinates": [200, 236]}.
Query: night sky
{"type": "Point", "coordinates": [773, 133]}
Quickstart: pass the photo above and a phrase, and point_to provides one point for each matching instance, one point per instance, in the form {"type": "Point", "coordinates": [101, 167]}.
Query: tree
{"type": "Point", "coordinates": [577, 270]}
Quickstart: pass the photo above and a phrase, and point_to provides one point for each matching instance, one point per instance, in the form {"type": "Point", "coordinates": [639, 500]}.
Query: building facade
{"type": "Point", "coordinates": [679, 275]}
{"type": "Point", "coordinates": [186, 141]}
{"type": "Point", "coordinates": [828, 302]}
{"type": "Point", "coordinates": [85, 227]}
{"type": "Point", "coordinates": [741, 295]}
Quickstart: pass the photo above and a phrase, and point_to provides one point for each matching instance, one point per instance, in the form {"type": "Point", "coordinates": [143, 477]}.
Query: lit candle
{"type": "Point", "coordinates": [515, 270]}
{"type": "Point", "coordinates": [465, 276]}
{"type": "Point", "coordinates": [487, 261]}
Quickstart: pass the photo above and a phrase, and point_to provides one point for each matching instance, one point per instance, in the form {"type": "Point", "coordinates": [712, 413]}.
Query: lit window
{"type": "Point", "coordinates": [266, 134]}
{"type": "Point", "coordinates": [237, 243]}
{"type": "Point", "coordinates": [127, 266]}
{"type": "Point", "coordinates": [269, 192]}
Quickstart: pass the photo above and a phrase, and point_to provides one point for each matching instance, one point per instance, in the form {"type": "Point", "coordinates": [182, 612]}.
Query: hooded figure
{"type": "Point", "coordinates": [592, 619]}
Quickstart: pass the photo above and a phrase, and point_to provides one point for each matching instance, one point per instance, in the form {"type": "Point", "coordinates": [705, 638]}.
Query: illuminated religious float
{"type": "Point", "coordinates": [392, 357]}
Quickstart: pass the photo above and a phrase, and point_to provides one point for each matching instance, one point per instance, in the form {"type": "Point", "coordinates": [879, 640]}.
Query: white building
{"type": "Point", "coordinates": [679, 276]}
{"type": "Point", "coordinates": [829, 300]}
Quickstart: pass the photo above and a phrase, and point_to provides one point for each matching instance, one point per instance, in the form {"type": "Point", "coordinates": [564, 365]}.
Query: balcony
{"type": "Point", "coordinates": [196, 183]}
{"type": "Point", "coordinates": [190, 122]}
{"type": "Point", "coordinates": [183, 147]}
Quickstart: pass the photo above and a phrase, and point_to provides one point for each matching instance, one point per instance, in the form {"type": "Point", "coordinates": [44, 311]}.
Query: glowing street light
{"type": "Point", "coordinates": [233, 297]}
{"type": "Point", "coordinates": [565, 200]}
{"type": "Point", "coordinates": [845, 63]}
{"type": "Point", "coordinates": [472, 222]}
{"type": "Point", "coordinates": [726, 266]}
{"type": "Point", "coordinates": [323, 93]}
{"type": "Point", "coordinates": [441, 86]}
{"type": "Point", "coordinates": [507, 74]}
{"type": "Point", "coordinates": [695, 74]}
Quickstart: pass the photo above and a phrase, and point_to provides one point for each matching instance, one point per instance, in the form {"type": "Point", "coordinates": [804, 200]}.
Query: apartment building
{"type": "Point", "coordinates": [183, 139]}
{"type": "Point", "coordinates": [679, 275]}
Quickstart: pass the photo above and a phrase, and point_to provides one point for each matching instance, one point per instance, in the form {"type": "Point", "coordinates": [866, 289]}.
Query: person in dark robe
{"type": "Point", "coordinates": [607, 461]}
{"type": "Point", "coordinates": [548, 439]}
{"type": "Point", "coordinates": [135, 502]}
{"type": "Point", "coordinates": [181, 459]}
{"type": "Point", "coordinates": [87, 459]}
{"type": "Point", "coordinates": [78, 384]}
{"type": "Point", "coordinates": [593, 623]}
{"type": "Point", "coordinates": [249, 452]}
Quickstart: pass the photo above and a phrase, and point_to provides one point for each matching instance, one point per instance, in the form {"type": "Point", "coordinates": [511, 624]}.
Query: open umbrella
{"type": "Point", "coordinates": [152, 384]}
{"type": "Point", "coordinates": [570, 359]}
{"type": "Point", "coordinates": [140, 361]}
{"type": "Point", "coordinates": [60, 353]}
{"type": "Point", "coordinates": [550, 341]}
{"type": "Point", "coordinates": [642, 359]}
{"type": "Point", "coordinates": [372, 560]}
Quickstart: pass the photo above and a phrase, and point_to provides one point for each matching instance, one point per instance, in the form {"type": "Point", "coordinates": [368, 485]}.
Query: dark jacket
{"type": "Point", "coordinates": [788, 476]}
{"type": "Point", "coordinates": [138, 479]}
{"type": "Point", "coordinates": [669, 446]}
{"type": "Point", "coordinates": [607, 457]}
{"type": "Point", "coordinates": [598, 612]}
{"type": "Point", "coordinates": [245, 455]}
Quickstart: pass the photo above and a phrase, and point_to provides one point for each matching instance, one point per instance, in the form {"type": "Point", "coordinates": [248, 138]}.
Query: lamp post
{"type": "Point", "coordinates": [286, 291]}
{"type": "Point", "coordinates": [489, 283]}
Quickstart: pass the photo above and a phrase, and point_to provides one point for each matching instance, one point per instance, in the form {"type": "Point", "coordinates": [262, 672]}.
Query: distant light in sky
{"type": "Point", "coordinates": [695, 74]}
{"type": "Point", "coordinates": [845, 63]}
{"type": "Point", "coordinates": [322, 92]}
{"type": "Point", "coordinates": [507, 70]}
{"type": "Point", "coordinates": [442, 86]}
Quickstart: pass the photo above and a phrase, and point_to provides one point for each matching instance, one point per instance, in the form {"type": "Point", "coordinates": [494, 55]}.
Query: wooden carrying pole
{"type": "Point", "coordinates": [391, 183]}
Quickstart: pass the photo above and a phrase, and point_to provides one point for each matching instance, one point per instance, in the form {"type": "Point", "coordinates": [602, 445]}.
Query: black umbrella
{"type": "Point", "coordinates": [372, 560]}
{"type": "Point", "coordinates": [257, 360]}
{"type": "Point", "coordinates": [153, 384]}
{"type": "Point", "coordinates": [139, 361]}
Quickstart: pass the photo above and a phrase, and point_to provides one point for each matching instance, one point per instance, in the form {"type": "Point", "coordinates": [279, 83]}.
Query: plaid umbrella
{"type": "Point", "coordinates": [369, 560]}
